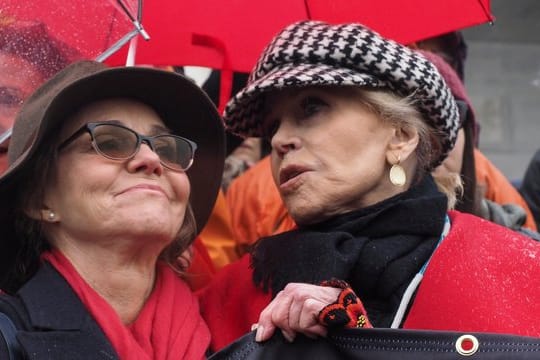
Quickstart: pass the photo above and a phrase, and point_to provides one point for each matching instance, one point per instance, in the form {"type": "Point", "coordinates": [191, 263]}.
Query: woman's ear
{"type": "Point", "coordinates": [403, 143]}
{"type": "Point", "coordinates": [44, 214]}
{"type": "Point", "coordinates": [34, 214]}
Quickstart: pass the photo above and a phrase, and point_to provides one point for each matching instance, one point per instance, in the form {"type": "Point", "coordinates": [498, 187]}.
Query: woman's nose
{"type": "Point", "coordinates": [285, 139]}
{"type": "Point", "coordinates": [145, 160]}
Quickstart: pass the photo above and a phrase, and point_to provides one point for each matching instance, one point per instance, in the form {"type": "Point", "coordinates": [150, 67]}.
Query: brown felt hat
{"type": "Point", "coordinates": [183, 106]}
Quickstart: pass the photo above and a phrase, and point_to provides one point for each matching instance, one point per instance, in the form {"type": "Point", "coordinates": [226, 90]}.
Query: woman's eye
{"type": "Point", "coordinates": [109, 144]}
{"type": "Point", "coordinates": [113, 144]}
{"type": "Point", "coordinates": [311, 105]}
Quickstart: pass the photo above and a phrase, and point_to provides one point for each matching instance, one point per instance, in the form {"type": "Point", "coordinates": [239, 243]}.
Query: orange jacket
{"type": "Point", "coordinates": [217, 235]}
{"type": "Point", "coordinates": [213, 248]}
{"type": "Point", "coordinates": [497, 187]}
{"type": "Point", "coordinates": [256, 207]}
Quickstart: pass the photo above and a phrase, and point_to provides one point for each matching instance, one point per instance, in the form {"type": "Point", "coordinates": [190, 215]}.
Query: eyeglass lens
{"type": "Point", "coordinates": [120, 143]}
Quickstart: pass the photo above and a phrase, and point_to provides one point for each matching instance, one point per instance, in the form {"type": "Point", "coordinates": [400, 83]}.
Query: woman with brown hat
{"type": "Point", "coordinates": [357, 123]}
{"type": "Point", "coordinates": [111, 172]}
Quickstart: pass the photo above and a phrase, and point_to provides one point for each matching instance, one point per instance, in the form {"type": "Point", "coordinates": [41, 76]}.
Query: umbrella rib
{"type": "Point", "coordinates": [488, 14]}
{"type": "Point", "coordinates": [135, 22]}
{"type": "Point", "coordinates": [104, 55]}
{"type": "Point", "coordinates": [306, 7]}
{"type": "Point", "coordinates": [139, 10]}
{"type": "Point", "coordinates": [126, 10]}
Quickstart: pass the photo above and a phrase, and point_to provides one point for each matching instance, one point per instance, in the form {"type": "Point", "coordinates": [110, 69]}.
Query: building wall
{"type": "Point", "coordinates": [503, 80]}
{"type": "Point", "coordinates": [502, 76]}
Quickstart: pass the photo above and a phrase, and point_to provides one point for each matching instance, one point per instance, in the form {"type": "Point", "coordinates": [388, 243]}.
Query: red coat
{"type": "Point", "coordinates": [483, 277]}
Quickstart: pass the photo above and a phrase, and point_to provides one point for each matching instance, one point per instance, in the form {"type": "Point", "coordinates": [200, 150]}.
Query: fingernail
{"type": "Point", "coordinates": [259, 334]}
{"type": "Point", "coordinates": [254, 327]}
{"type": "Point", "coordinates": [288, 337]}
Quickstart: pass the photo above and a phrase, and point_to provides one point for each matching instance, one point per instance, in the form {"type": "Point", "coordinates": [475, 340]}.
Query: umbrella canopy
{"type": "Point", "coordinates": [40, 37]}
{"type": "Point", "coordinates": [233, 33]}
{"type": "Point", "coordinates": [87, 27]}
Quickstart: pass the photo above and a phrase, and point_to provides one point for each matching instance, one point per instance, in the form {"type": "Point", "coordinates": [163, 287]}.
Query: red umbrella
{"type": "Point", "coordinates": [233, 33]}
{"type": "Point", "coordinates": [40, 37]}
{"type": "Point", "coordinates": [88, 27]}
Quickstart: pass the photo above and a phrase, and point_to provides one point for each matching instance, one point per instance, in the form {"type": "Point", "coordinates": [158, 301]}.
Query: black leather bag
{"type": "Point", "coordinates": [386, 344]}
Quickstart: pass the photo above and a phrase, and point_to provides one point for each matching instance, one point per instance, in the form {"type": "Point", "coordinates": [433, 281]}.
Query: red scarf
{"type": "Point", "coordinates": [169, 325]}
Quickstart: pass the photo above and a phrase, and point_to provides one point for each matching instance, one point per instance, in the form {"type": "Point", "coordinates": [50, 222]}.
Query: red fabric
{"type": "Point", "coordinates": [85, 27]}
{"type": "Point", "coordinates": [201, 269]}
{"type": "Point", "coordinates": [483, 277]}
{"type": "Point", "coordinates": [168, 327]}
{"type": "Point", "coordinates": [226, 76]}
{"type": "Point", "coordinates": [246, 26]}
{"type": "Point", "coordinates": [231, 304]}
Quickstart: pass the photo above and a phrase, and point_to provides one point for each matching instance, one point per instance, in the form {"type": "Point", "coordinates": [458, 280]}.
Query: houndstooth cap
{"type": "Point", "coordinates": [313, 53]}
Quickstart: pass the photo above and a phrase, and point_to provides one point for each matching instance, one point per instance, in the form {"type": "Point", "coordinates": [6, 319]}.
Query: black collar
{"type": "Point", "coordinates": [61, 327]}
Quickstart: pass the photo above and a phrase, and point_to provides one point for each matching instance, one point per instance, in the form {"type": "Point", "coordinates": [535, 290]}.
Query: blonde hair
{"type": "Point", "coordinates": [401, 112]}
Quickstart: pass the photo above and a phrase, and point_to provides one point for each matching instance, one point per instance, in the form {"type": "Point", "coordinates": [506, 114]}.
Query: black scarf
{"type": "Point", "coordinates": [378, 249]}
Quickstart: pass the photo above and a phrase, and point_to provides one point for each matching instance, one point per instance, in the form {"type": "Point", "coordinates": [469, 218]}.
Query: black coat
{"type": "Point", "coordinates": [52, 321]}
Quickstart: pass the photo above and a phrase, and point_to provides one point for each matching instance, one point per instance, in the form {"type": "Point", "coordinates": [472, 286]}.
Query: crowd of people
{"type": "Point", "coordinates": [341, 192]}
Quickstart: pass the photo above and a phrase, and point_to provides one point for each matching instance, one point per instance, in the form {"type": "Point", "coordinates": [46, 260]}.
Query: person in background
{"type": "Point", "coordinates": [111, 172]}
{"type": "Point", "coordinates": [500, 200]}
{"type": "Point", "coordinates": [506, 207]}
{"type": "Point", "coordinates": [357, 123]}
{"type": "Point", "coordinates": [530, 186]}
{"type": "Point", "coordinates": [29, 55]}
{"type": "Point", "coordinates": [256, 208]}
{"type": "Point", "coordinates": [247, 154]}
{"type": "Point", "coordinates": [216, 247]}
{"type": "Point", "coordinates": [242, 154]}
{"type": "Point", "coordinates": [451, 47]}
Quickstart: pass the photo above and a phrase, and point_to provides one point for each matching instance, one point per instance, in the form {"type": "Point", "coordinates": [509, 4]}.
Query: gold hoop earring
{"type": "Point", "coordinates": [397, 174]}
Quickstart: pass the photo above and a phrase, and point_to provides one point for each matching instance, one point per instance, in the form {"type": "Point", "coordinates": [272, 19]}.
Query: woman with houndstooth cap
{"type": "Point", "coordinates": [357, 123]}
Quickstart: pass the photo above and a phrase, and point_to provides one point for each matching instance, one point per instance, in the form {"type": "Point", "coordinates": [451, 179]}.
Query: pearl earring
{"type": "Point", "coordinates": [51, 216]}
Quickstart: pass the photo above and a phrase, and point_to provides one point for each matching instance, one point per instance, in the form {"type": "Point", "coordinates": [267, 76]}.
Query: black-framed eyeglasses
{"type": "Point", "coordinates": [117, 142]}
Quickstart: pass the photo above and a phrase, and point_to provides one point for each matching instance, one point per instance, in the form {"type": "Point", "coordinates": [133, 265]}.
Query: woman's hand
{"type": "Point", "coordinates": [296, 309]}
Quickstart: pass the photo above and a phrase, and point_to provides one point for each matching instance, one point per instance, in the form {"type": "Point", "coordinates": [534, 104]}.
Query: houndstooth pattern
{"type": "Point", "coordinates": [315, 53]}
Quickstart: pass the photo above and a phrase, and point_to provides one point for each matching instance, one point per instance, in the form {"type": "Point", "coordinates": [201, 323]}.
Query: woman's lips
{"type": "Point", "coordinates": [144, 187]}
{"type": "Point", "coordinates": [289, 176]}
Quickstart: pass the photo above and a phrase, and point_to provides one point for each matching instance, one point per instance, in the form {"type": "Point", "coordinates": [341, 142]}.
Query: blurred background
{"type": "Point", "coordinates": [502, 76]}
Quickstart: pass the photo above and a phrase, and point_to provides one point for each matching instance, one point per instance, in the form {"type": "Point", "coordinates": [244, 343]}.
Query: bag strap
{"type": "Point", "coordinates": [8, 331]}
